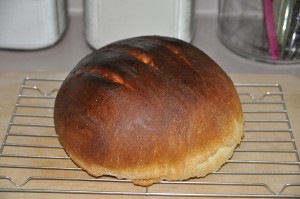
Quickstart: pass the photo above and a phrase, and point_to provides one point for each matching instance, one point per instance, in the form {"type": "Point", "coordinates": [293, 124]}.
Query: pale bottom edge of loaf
{"type": "Point", "coordinates": [194, 166]}
{"type": "Point", "coordinates": [192, 169]}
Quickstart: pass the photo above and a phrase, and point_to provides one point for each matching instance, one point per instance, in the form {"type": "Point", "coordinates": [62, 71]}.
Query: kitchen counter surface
{"type": "Point", "coordinates": [10, 84]}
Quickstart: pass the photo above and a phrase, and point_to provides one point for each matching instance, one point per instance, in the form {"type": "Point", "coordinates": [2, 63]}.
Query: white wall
{"type": "Point", "coordinates": [201, 7]}
{"type": "Point", "coordinates": [206, 7]}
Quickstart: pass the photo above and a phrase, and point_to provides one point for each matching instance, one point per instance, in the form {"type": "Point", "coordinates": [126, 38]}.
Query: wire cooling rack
{"type": "Point", "coordinates": [266, 164]}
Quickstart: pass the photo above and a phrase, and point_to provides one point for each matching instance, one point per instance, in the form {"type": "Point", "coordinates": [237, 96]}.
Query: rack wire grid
{"type": "Point", "coordinates": [265, 164]}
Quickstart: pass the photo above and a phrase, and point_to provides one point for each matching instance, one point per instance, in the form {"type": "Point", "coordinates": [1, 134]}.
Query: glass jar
{"type": "Point", "coordinates": [261, 30]}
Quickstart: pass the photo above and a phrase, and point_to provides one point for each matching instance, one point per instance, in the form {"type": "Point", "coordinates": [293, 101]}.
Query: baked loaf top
{"type": "Point", "coordinates": [148, 109]}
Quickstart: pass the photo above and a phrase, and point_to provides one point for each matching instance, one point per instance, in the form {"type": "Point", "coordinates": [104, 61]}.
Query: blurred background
{"type": "Point", "coordinates": [66, 31]}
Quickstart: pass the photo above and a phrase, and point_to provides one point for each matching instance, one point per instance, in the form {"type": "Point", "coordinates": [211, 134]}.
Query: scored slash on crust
{"type": "Point", "coordinates": [110, 75]}
{"type": "Point", "coordinates": [146, 59]}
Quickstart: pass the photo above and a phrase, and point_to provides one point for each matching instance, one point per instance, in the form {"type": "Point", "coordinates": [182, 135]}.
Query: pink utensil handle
{"type": "Point", "coordinates": [271, 30]}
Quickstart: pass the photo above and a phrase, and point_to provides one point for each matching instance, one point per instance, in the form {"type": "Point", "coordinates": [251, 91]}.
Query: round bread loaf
{"type": "Point", "coordinates": [148, 109]}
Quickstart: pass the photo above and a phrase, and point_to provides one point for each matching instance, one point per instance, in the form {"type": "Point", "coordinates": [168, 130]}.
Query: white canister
{"type": "Point", "coordinates": [31, 24]}
{"type": "Point", "coordinates": [107, 21]}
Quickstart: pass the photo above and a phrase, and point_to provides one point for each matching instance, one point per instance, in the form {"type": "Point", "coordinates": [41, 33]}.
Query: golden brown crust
{"type": "Point", "coordinates": [148, 109]}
